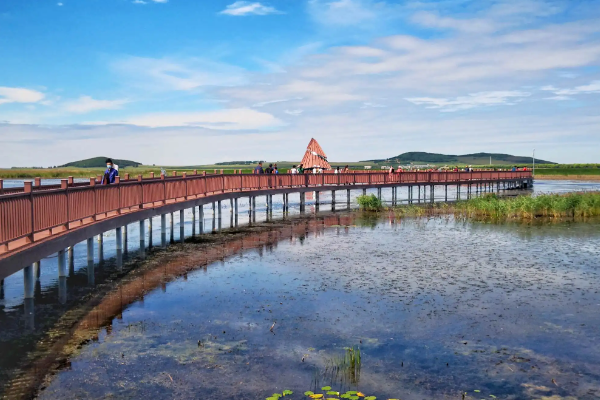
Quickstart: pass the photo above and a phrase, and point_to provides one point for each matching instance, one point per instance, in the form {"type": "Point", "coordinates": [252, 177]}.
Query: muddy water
{"type": "Point", "coordinates": [437, 307]}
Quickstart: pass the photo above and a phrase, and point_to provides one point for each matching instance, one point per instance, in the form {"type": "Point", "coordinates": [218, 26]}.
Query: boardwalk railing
{"type": "Point", "coordinates": [30, 215]}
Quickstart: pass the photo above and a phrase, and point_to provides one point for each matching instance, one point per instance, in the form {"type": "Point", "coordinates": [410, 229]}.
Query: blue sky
{"type": "Point", "coordinates": [193, 82]}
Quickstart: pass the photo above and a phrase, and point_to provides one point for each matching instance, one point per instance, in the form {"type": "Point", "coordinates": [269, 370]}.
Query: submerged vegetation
{"type": "Point", "coordinates": [571, 205]}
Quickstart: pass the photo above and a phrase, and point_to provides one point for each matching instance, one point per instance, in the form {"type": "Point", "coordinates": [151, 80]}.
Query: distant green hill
{"type": "Point", "coordinates": [469, 159]}
{"type": "Point", "coordinates": [98, 162]}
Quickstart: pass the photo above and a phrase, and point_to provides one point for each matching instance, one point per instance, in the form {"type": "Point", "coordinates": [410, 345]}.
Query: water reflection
{"type": "Point", "coordinates": [435, 306]}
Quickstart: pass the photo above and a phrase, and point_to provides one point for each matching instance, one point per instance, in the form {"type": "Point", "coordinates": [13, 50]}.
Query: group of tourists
{"type": "Point", "coordinates": [271, 169]}
{"type": "Point", "coordinates": [300, 169]}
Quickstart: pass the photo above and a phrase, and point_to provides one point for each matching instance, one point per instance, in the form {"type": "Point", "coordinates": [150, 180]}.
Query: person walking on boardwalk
{"type": "Point", "coordinates": [300, 169]}
{"type": "Point", "coordinates": [259, 169]}
{"type": "Point", "coordinates": [110, 174]}
{"type": "Point", "coordinates": [269, 169]}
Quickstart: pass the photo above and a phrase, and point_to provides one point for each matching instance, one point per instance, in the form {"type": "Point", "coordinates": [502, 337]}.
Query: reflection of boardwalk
{"type": "Point", "coordinates": [81, 325]}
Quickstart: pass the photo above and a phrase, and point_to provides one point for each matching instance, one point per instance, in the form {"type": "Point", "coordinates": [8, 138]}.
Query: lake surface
{"type": "Point", "coordinates": [437, 307]}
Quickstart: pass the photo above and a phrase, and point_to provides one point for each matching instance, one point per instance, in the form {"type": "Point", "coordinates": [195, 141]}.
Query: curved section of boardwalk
{"type": "Point", "coordinates": [38, 221]}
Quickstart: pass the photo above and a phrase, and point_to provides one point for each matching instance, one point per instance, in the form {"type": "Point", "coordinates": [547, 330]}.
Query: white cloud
{"type": "Point", "coordinates": [264, 103]}
{"type": "Point", "coordinates": [139, 2]}
{"type": "Point", "coordinates": [473, 100]}
{"type": "Point", "coordinates": [241, 8]}
{"type": "Point", "coordinates": [59, 4]}
{"type": "Point", "coordinates": [471, 25]}
{"type": "Point", "coordinates": [19, 95]}
{"type": "Point", "coordinates": [86, 104]}
{"type": "Point", "coordinates": [295, 113]}
{"type": "Point", "coordinates": [226, 119]}
{"type": "Point", "coordinates": [171, 74]}
{"type": "Point", "coordinates": [372, 105]}
{"type": "Point", "coordinates": [592, 87]}
{"type": "Point", "coordinates": [346, 12]}
{"type": "Point", "coordinates": [160, 1]}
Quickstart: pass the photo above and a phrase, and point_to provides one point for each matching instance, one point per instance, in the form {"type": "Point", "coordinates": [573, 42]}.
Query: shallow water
{"type": "Point", "coordinates": [437, 307]}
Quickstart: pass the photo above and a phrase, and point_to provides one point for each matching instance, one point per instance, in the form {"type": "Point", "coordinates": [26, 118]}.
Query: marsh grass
{"type": "Point", "coordinates": [572, 205]}
{"type": "Point", "coordinates": [370, 202]}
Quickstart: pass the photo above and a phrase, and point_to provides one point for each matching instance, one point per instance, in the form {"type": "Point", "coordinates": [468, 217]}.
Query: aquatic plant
{"type": "Point", "coordinates": [351, 395]}
{"type": "Point", "coordinates": [571, 205]}
{"type": "Point", "coordinates": [346, 366]}
{"type": "Point", "coordinates": [369, 202]}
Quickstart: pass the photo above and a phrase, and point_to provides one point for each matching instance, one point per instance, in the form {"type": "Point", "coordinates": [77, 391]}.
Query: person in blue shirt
{"type": "Point", "coordinates": [259, 169]}
{"type": "Point", "coordinates": [110, 174]}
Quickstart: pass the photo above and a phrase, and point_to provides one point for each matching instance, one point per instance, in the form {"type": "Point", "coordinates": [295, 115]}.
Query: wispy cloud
{"type": "Point", "coordinates": [295, 113]}
{"type": "Point", "coordinates": [347, 12]}
{"type": "Point", "coordinates": [172, 74]}
{"type": "Point", "coordinates": [19, 95]}
{"type": "Point", "coordinates": [241, 8]}
{"type": "Point", "coordinates": [226, 119]}
{"type": "Point", "coordinates": [592, 87]}
{"type": "Point", "coordinates": [473, 100]}
{"type": "Point", "coordinates": [264, 103]}
{"type": "Point", "coordinates": [87, 104]}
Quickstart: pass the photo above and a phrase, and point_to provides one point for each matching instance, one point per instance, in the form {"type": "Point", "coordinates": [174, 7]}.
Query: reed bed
{"type": "Point", "coordinates": [571, 205]}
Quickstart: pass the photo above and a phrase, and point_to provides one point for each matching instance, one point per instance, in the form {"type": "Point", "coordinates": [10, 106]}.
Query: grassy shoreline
{"type": "Point", "coordinates": [491, 206]}
{"type": "Point", "coordinates": [567, 177]}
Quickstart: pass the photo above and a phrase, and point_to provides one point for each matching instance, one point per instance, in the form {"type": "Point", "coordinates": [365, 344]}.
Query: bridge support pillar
{"type": "Point", "coordinates": [236, 209]}
{"type": "Point", "coordinates": [100, 247]}
{"type": "Point", "coordinates": [119, 238]}
{"type": "Point", "coordinates": [1, 289]}
{"type": "Point", "coordinates": [379, 193]}
{"type": "Point", "coordinates": [125, 242]}
{"type": "Point", "coordinates": [62, 263]}
{"type": "Point", "coordinates": [317, 200]}
{"type": "Point", "coordinates": [364, 192]}
{"type": "Point", "coordinates": [62, 289]}
{"type": "Point", "coordinates": [90, 261]}
{"type": "Point", "coordinates": [142, 237]}
{"type": "Point", "coordinates": [231, 206]}
{"type": "Point", "coordinates": [201, 219]}
{"type": "Point", "coordinates": [446, 193]}
{"type": "Point", "coordinates": [302, 201]}
{"type": "Point", "coordinates": [348, 197]}
{"type": "Point", "coordinates": [90, 250]}
{"type": "Point", "coordinates": [172, 228]}
{"type": "Point", "coordinates": [432, 193]}
{"type": "Point", "coordinates": [150, 232]}
{"type": "Point", "coordinates": [457, 192]}
{"type": "Point", "coordinates": [181, 225]}
{"type": "Point", "coordinates": [71, 258]}
{"type": "Point", "coordinates": [219, 205]}
{"type": "Point", "coordinates": [333, 197]}
{"type": "Point", "coordinates": [37, 270]}
{"type": "Point", "coordinates": [28, 282]}
{"type": "Point", "coordinates": [163, 230]}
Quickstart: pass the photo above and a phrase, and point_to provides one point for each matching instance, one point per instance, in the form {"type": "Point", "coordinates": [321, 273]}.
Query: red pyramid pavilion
{"type": "Point", "coordinates": [315, 156]}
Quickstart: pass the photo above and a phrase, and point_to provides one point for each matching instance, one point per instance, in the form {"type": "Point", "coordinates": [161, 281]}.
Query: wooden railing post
{"type": "Point", "coordinates": [1, 186]}
{"type": "Point", "coordinates": [38, 182]}
{"type": "Point", "coordinates": [174, 173]}
{"type": "Point", "coordinates": [28, 189]}
{"type": "Point", "coordinates": [93, 185]}
{"type": "Point", "coordinates": [185, 182]}
{"type": "Point", "coordinates": [127, 176]}
{"type": "Point", "coordinates": [64, 185]}
{"type": "Point", "coordinates": [151, 174]}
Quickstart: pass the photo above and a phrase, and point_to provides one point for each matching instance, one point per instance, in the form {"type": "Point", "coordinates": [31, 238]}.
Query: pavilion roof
{"type": "Point", "coordinates": [315, 156]}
